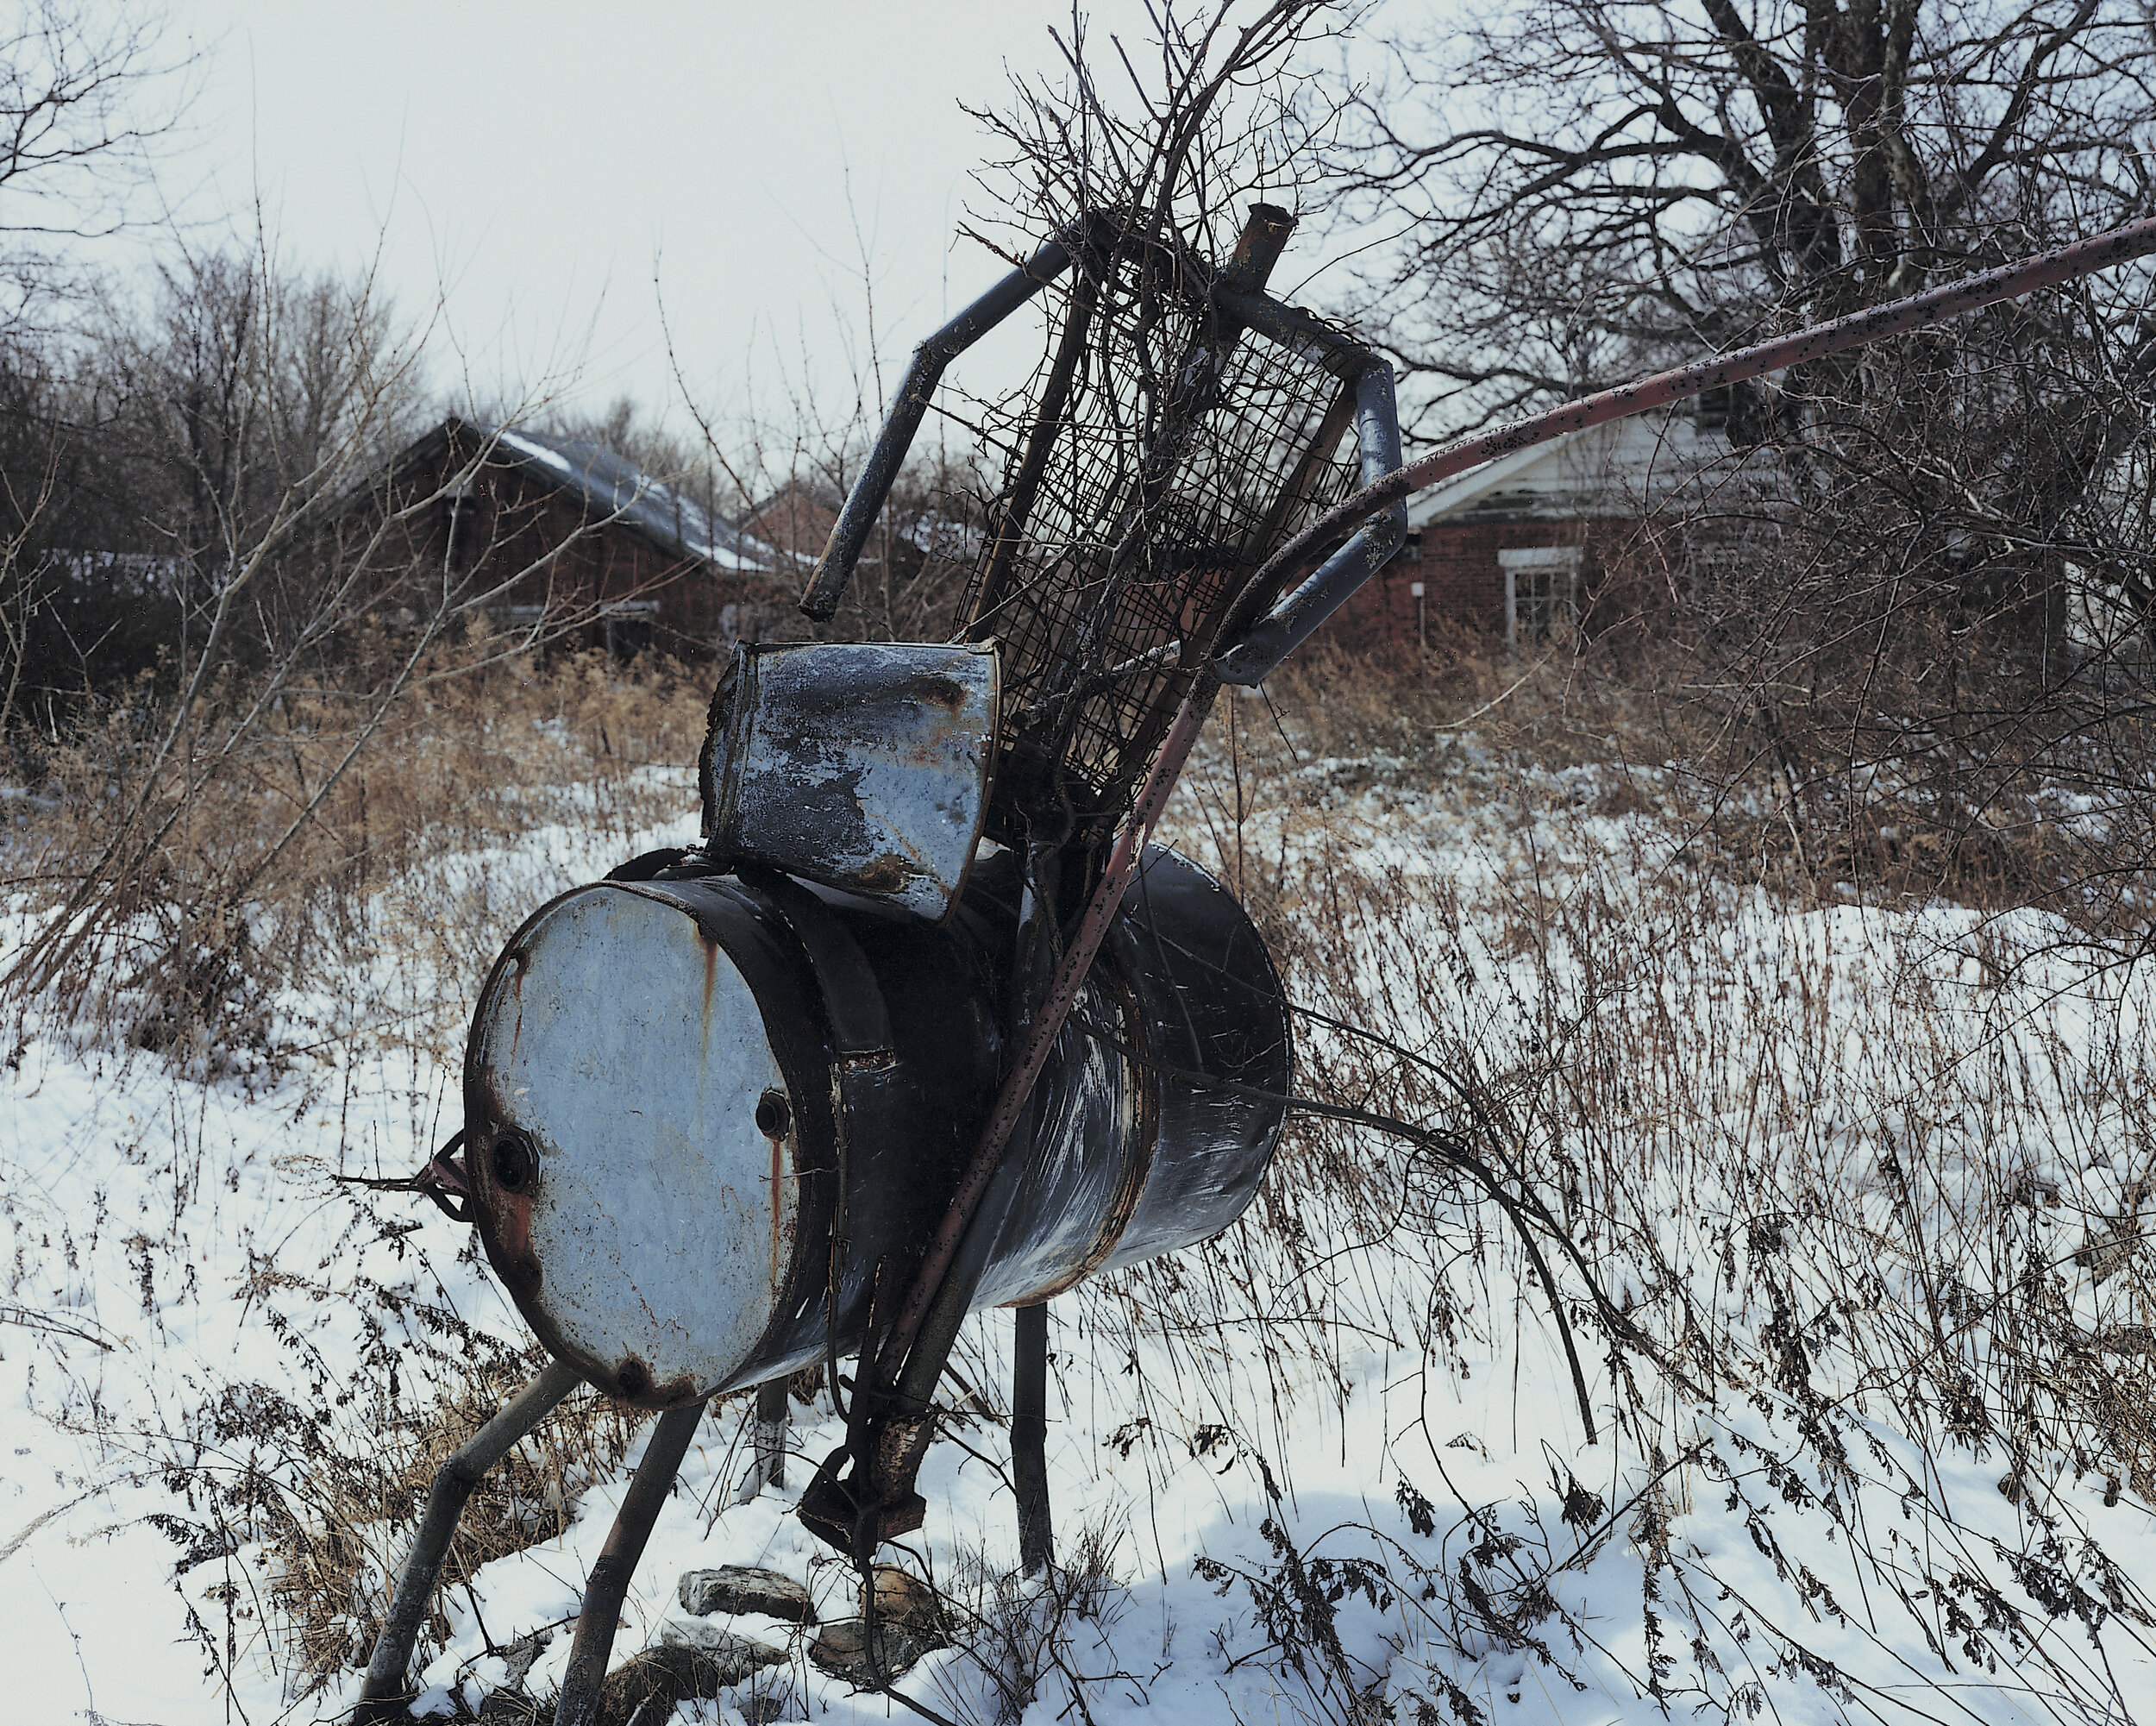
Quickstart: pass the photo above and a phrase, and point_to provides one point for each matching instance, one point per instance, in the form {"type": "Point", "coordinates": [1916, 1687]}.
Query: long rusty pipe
{"type": "Point", "coordinates": [1298, 614]}
{"type": "Point", "coordinates": [2048, 269]}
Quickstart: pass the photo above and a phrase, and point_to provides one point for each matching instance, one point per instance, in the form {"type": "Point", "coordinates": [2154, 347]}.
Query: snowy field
{"type": "Point", "coordinates": [1874, 1392]}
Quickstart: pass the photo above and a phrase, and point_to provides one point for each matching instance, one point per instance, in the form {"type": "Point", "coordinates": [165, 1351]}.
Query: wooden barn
{"type": "Point", "coordinates": [582, 544]}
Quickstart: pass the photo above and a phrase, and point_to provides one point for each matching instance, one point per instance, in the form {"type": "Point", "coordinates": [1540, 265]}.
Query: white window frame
{"type": "Point", "coordinates": [1559, 565]}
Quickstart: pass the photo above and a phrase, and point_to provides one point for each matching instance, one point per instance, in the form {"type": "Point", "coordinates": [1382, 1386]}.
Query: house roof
{"type": "Point", "coordinates": [1626, 467]}
{"type": "Point", "coordinates": [612, 486]}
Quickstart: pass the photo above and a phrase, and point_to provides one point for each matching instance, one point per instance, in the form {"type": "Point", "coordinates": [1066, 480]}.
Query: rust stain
{"type": "Point", "coordinates": [945, 691]}
{"type": "Point", "coordinates": [711, 979]}
{"type": "Point", "coordinates": [778, 1174]}
{"type": "Point", "coordinates": [504, 1217]}
{"type": "Point", "coordinates": [516, 1032]}
{"type": "Point", "coordinates": [887, 874]}
{"type": "Point", "coordinates": [632, 1382]}
{"type": "Point", "coordinates": [512, 1227]}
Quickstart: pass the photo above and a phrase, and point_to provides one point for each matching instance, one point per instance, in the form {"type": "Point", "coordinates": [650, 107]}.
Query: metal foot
{"type": "Point", "coordinates": [386, 1690]}
{"type": "Point", "coordinates": [771, 1419]}
{"type": "Point", "coordinates": [1029, 1440]}
{"type": "Point", "coordinates": [603, 1594]}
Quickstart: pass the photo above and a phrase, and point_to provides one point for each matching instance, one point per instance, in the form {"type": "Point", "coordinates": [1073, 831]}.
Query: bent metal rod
{"type": "Point", "coordinates": [2054, 269]}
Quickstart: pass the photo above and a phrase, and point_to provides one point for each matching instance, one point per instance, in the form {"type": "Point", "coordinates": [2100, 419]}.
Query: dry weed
{"type": "Point", "coordinates": [232, 901]}
{"type": "Point", "coordinates": [333, 1554]}
{"type": "Point", "coordinates": [1023, 1634]}
{"type": "Point", "coordinates": [1825, 1161]}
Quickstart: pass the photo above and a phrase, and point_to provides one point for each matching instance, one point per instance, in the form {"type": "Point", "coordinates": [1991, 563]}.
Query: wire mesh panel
{"type": "Point", "coordinates": [1163, 451]}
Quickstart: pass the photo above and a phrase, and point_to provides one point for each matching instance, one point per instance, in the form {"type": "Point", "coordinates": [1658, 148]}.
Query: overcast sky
{"type": "Point", "coordinates": [534, 165]}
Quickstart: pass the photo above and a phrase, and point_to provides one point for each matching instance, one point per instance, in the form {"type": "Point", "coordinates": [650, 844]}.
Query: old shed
{"type": "Point", "coordinates": [566, 539]}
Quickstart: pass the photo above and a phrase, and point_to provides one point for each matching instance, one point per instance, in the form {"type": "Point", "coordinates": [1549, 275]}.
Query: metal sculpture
{"type": "Point", "coordinates": [895, 1040]}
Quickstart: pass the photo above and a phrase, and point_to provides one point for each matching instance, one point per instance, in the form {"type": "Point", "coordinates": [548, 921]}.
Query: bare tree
{"type": "Point", "coordinates": [84, 94]}
{"type": "Point", "coordinates": [241, 436]}
{"type": "Point", "coordinates": [1217, 108]}
{"type": "Point", "coordinates": [1922, 552]}
{"type": "Point", "coordinates": [1593, 181]}
{"type": "Point", "coordinates": [85, 90]}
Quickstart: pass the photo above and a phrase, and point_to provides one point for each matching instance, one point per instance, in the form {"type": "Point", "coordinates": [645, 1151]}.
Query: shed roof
{"type": "Point", "coordinates": [1623, 468]}
{"type": "Point", "coordinates": [611, 487]}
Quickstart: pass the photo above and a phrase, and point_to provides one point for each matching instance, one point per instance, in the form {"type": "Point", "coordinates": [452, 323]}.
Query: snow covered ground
{"type": "Point", "coordinates": [1837, 1164]}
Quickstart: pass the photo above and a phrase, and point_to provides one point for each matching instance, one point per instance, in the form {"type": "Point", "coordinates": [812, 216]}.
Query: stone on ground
{"type": "Point", "coordinates": [905, 1600]}
{"type": "Point", "coordinates": [688, 1662]}
{"type": "Point", "coordinates": [843, 1651]}
{"type": "Point", "coordinates": [910, 1621]}
{"type": "Point", "coordinates": [745, 1588]}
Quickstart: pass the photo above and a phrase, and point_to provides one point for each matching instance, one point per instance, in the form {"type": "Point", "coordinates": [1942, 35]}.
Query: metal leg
{"type": "Point", "coordinates": [771, 1417]}
{"type": "Point", "coordinates": [579, 1700]}
{"type": "Point", "coordinates": [1029, 1440]}
{"type": "Point", "coordinates": [767, 1434]}
{"type": "Point", "coordinates": [384, 1692]}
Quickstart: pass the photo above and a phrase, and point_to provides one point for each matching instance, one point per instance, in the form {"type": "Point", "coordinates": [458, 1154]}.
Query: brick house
{"type": "Point", "coordinates": [581, 543]}
{"type": "Point", "coordinates": [1538, 540]}
{"type": "Point", "coordinates": [796, 522]}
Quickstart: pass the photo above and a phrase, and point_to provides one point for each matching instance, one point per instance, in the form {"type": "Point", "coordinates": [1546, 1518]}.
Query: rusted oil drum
{"type": "Point", "coordinates": [699, 1107]}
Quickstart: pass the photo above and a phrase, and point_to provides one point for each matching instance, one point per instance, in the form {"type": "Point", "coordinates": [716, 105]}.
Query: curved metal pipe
{"type": "Point", "coordinates": [857, 518]}
{"type": "Point", "coordinates": [383, 1692]}
{"type": "Point", "coordinates": [1296, 615]}
{"type": "Point", "coordinates": [2054, 269]}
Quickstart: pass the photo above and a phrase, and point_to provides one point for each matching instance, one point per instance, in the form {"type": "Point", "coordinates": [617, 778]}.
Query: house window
{"type": "Point", "coordinates": [1541, 591]}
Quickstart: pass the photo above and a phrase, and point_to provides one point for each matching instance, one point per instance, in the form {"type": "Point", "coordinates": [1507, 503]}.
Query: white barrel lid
{"type": "Point", "coordinates": [630, 1052]}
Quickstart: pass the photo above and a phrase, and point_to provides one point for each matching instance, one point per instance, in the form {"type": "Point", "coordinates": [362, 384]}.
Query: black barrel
{"type": "Point", "coordinates": [698, 1106]}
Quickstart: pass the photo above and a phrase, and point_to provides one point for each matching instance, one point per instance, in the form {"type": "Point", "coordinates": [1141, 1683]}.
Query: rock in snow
{"type": "Point", "coordinates": [745, 1588]}
{"type": "Point", "coordinates": [842, 1650]}
{"type": "Point", "coordinates": [688, 1660]}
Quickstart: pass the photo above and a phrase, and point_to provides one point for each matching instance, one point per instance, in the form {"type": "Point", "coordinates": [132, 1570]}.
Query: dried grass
{"type": "Point", "coordinates": [185, 945]}
{"type": "Point", "coordinates": [334, 1555]}
{"type": "Point", "coordinates": [199, 958]}
{"type": "Point", "coordinates": [1912, 1164]}
{"type": "Point", "coordinates": [1824, 1163]}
